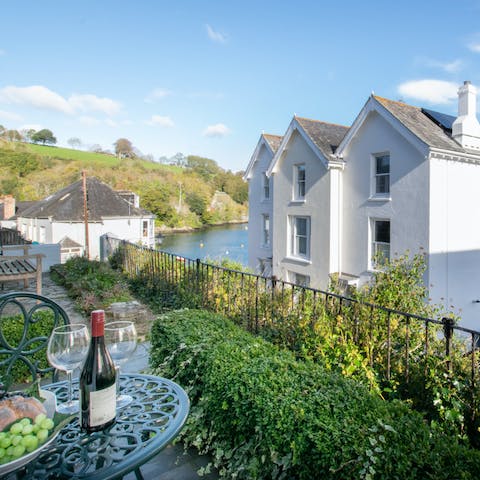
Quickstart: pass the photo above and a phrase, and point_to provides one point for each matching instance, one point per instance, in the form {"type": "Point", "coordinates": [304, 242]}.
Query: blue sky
{"type": "Point", "coordinates": [207, 77]}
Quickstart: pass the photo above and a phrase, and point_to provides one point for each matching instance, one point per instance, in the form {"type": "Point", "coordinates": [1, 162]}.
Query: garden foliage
{"type": "Point", "coordinates": [264, 414]}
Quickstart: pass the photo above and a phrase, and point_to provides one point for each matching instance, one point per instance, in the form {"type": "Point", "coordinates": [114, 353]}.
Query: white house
{"type": "Point", "coordinates": [260, 213]}
{"type": "Point", "coordinates": [60, 218]}
{"type": "Point", "coordinates": [401, 178]}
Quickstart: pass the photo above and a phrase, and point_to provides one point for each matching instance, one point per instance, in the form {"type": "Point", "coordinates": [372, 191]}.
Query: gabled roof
{"type": "Point", "coordinates": [322, 137]}
{"type": "Point", "coordinates": [271, 142]}
{"type": "Point", "coordinates": [421, 126]}
{"type": "Point", "coordinates": [67, 205]}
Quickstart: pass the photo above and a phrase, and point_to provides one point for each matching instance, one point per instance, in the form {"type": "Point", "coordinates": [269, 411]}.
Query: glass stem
{"type": "Point", "coordinates": [69, 379]}
{"type": "Point", "coordinates": [117, 370]}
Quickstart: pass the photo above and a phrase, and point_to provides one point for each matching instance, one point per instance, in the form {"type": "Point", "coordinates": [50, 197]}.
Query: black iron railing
{"type": "Point", "coordinates": [401, 347]}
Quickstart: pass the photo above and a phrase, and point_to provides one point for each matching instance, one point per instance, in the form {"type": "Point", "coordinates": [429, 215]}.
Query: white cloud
{"type": "Point", "coordinates": [36, 96]}
{"type": "Point", "coordinates": [474, 46]}
{"type": "Point", "coordinates": [429, 90]}
{"type": "Point", "coordinates": [158, 120]}
{"type": "Point", "coordinates": [449, 67]}
{"type": "Point", "coordinates": [111, 123]}
{"type": "Point", "coordinates": [89, 102]}
{"type": "Point", "coordinates": [157, 94]}
{"type": "Point", "coordinates": [214, 35]}
{"type": "Point", "coordinates": [217, 130]}
{"type": "Point", "coordinates": [10, 116]}
{"type": "Point", "coordinates": [41, 97]}
{"type": "Point", "coordinates": [89, 121]}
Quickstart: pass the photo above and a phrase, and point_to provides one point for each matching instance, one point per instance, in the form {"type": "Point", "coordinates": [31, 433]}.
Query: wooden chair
{"type": "Point", "coordinates": [26, 321]}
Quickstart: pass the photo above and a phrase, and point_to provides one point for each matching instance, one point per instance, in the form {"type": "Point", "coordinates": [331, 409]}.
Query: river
{"type": "Point", "coordinates": [215, 243]}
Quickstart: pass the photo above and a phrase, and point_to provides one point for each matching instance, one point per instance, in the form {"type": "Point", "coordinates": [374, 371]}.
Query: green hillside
{"type": "Point", "coordinates": [181, 197]}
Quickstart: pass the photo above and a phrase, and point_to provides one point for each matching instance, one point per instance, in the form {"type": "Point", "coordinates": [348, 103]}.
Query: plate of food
{"type": "Point", "coordinates": [28, 425]}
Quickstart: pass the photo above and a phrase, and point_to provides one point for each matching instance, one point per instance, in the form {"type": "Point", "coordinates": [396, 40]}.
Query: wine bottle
{"type": "Point", "coordinates": [97, 381]}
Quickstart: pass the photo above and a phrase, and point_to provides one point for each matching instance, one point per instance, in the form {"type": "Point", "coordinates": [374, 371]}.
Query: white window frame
{"type": "Point", "coordinates": [299, 183]}
{"type": "Point", "coordinates": [380, 176]}
{"type": "Point", "coordinates": [265, 187]}
{"type": "Point", "coordinates": [266, 230]}
{"type": "Point", "coordinates": [378, 245]}
{"type": "Point", "coordinates": [145, 229]}
{"type": "Point", "coordinates": [295, 237]}
{"type": "Point", "coordinates": [300, 279]}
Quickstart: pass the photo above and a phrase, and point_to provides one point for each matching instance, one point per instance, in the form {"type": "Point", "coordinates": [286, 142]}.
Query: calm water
{"type": "Point", "coordinates": [215, 243]}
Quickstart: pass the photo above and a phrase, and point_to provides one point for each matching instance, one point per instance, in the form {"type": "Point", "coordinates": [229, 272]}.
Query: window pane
{"type": "Point", "coordinates": [302, 246]}
{"type": "Point", "coordinates": [300, 181]}
{"type": "Point", "coordinates": [301, 226]}
{"type": "Point", "coordinates": [382, 231]}
{"type": "Point", "coordinates": [382, 184]}
{"type": "Point", "coordinates": [301, 173]}
{"type": "Point", "coordinates": [383, 164]}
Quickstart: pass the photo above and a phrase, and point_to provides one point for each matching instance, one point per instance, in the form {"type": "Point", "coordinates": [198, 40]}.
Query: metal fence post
{"type": "Point", "coordinates": [448, 324]}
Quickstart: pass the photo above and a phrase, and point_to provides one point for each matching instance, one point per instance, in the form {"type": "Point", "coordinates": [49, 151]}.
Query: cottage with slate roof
{"type": "Point", "coordinates": [400, 179]}
{"type": "Point", "coordinates": [59, 218]}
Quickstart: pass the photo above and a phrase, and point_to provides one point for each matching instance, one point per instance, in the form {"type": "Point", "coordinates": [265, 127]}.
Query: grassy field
{"type": "Point", "coordinates": [92, 158]}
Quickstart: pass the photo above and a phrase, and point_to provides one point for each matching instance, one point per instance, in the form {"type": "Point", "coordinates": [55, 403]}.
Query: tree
{"type": "Point", "coordinates": [28, 134]}
{"type": "Point", "coordinates": [96, 148]}
{"type": "Point", "coordinates": [13, 135]}
{"type": "Point", "coordinates": [44, 136]}
{"type": "Point", "coordinates": [208, 169]}
{"type": "Point", "coordinates": [74, 142]}
{"type": "Point", "coordinates": [123, 148]}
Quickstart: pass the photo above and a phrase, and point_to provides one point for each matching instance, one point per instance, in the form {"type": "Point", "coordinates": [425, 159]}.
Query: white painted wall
{"type": "Point", "coordinates": [316, 206]}
{"type": "Point", "coordinates": [130, 229]}
{"type": "Point", "coordinates": [259, 206]}
{"type": "Point", "coordinates": [407, 208]}
{"type": "Point", "coordinates": [455, 238]}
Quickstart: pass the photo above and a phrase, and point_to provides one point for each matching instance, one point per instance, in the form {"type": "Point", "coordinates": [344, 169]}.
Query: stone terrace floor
{"type": "Point", "coordinates": [170, 464]}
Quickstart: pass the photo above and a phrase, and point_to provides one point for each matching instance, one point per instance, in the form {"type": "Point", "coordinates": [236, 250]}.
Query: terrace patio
{"type": "Point", "coordinates": [172, 463]}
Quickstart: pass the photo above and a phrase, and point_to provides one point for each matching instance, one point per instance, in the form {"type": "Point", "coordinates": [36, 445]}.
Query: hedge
{"type": "Point", "coordinates": [264, 415]}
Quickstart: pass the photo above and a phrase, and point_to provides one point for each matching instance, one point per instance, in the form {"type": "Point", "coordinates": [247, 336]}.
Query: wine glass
{"type": "Point", "coordinates": [67, 349]}
{"type": "Point", "coordinates": [121, 340]}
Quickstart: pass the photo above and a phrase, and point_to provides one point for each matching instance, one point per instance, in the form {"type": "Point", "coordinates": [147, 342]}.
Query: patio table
{"type": "Point", "coordinates": [142, 429]}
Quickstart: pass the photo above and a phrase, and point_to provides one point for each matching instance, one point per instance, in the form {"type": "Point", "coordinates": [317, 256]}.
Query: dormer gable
{"type": "Point", "coordinates": [270, 143]}
{"type": "Point", "coordinates": [322, 137]}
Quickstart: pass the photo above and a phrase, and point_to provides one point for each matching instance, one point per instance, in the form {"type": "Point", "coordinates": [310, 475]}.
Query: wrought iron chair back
{"type": "Point", "coordinates": [26, 321]}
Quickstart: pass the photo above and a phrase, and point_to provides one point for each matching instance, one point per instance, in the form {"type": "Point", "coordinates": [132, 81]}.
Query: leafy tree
{"type": "Point", "coordinates": [13, 135]}
{"type": "Point", "coordinates": [44, 136]}
{"type": "Point", "coordinates": [179, 159]}
{"type": "Point", "coordinates": [124, 148]}
{"type": "Point", "coordinates": [28, 134]}
{"type": "Point", "coordinates": [96, 148]}
{"type": "Point", "coordinates": [2, 130]}
{"type": "Point", "coordinates": [197, 202]}
{"type": "Point", "coordinates": [74, 142]}
{"type": "Point", "coordinates": [205, 167]}
{"type": "Point", "coordinates": [233, 184]}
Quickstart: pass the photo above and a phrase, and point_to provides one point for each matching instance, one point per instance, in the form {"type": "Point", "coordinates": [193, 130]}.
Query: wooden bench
{"type": "Point", "coordinates": [21, 267]}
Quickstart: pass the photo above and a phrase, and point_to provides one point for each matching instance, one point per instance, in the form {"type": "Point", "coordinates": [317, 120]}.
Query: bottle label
{"type": "Point", "coordinates": [103, 404]}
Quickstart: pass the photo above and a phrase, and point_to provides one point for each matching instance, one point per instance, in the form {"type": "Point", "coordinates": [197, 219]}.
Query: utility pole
{"type": "Point", "coordinates": [85, 214]}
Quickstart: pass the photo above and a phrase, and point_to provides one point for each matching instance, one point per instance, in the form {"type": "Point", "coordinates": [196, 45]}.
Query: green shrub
{"type": "Point", "coordinates": [12, 328]}
{"type": "Point", "coordinates": [92, 284]}
{"type": "Point", "coordinates": [263, 414]}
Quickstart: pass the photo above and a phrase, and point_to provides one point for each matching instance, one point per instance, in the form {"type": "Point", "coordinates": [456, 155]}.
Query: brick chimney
{"type": "Point", "coordinates": [8, 206]}
{"type": "Point", "coordinates": [466, 129]}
